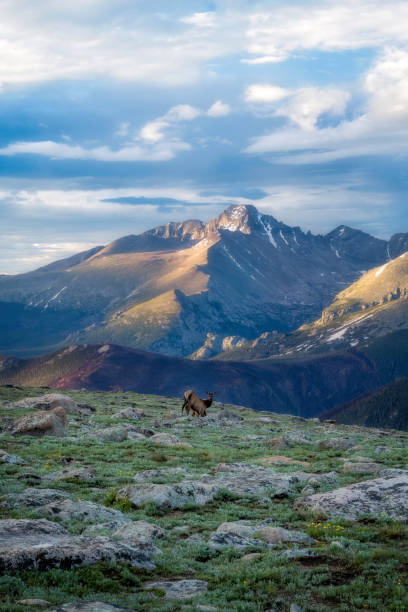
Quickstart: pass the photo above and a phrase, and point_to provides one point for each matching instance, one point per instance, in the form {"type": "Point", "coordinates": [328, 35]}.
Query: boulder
{"type": "Point", "coordinates": [83, 510]}
{"type": "Point", "coordinates": [371, 497]}
{"type": "Point", "coordinates": [129, 413]}
{"type": "Point", "coordinates": [107, 528]}
{"type": "Point", "coordinates": [240, 528]}
{"type": "Point", "coordinates": [336, 443]}
{"type": "Point", "coordinates": [42, 544]}
{"type": "Point", "coordinates": [278, 535]}
{"type": "Point", "coordinates": [230, 539]}
{"type": "Point", "coordinates": [139, 531]}
{"type": "Point", "coordinates": [45, 422]}
{"type": "Point", "coordinates": [33, 497]}
{"type": "Point", "coordinates": [11, 459]}
{"type": "Point", "coordinates": [37, 603]}
{"type": "Point", "coordinates": [179, 589]}
{"type": "Point", "coordinates": [111, 434]}
{"type": "Point", "coordinates": [48, 402]}
{"type": "Point", "coordinates": [280, 460]}
{"type": "Point", "coordinates": [165, 439]}
{"type": "Point", "coordinates": [145, 475]}
{"type": "Point", "coordinates": [72, 473]}
{"type": "Point", "coordinates": [174, 496]}
{"type": "Point", "coordinates": [361, 467]}
{"type": "Point", "coordinates": [90, 606]}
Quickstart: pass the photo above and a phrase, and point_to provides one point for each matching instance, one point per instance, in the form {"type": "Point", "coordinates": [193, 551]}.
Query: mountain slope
{"type": "Point", "coordinates": [372, 307]}
{"type": "Point", "coordinates": [167, 289]}
{"type": "Point", "coordinates": [385, 407]}
{"type": "Point", "coordinates": [304, 388]}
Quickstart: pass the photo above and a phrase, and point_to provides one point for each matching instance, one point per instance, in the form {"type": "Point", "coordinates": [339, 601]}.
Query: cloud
{"type": "Point", "coordinates": [264, 59]}
{"type": "Point", "coordinates": [381, 128]}
{"type": "Point", "coordinates": [218, 109]}
{"type": "Point", "coordinates": [55, 150]}
{"type": "Point", "coordinates": [265, 93]}
{"type": "Point", "coordinates": [200, 20]}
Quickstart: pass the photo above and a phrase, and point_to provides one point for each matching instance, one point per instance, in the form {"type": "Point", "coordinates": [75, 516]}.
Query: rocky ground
{"type": "Point", "coordinates": [116, 501]}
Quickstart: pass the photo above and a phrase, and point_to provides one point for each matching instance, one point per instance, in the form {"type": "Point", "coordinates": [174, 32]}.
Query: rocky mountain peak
{"type": "Point", "coordinates": [236, 218]}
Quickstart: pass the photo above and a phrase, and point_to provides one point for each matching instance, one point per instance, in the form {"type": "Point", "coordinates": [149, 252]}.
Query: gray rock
{"type": "Point", "coordinates": [295, 608]}
{"type": "Point", "coordinates": [33, 497]}
{"type": "Point", "coordinates": [179, 589]}
{"type": "Point", "coordinates": [90, 606]}
{"type": "Point", "coordinates": [392, 472]}
{"type": "Point", "coordinates": [135, 436]}
{"type": "Point", "coordinates": [48, 422]}
{"type": "Point", "coordinates": [41, 544]}
{"type": "Point", "coordinates": [336, 443]}
{"type": "Point", "coordinates": [11, 459]}
{"type": "Point", "coordinates": [231, 539]}
{"type": "Point", "coordinates": [146, 475]}
{"type": "Point", "coordinates": [72, 473]}
{"type": "Point", "coordinates": [128, 413]}
{"type": "Point", "coordinates": [139, 531]}
{"type": "Point", "coordinates": [362, 467]}
{"type": "Point", "coordinates": [173, 496]}
{"type": "Point", "coordinates": [84, 510]}
{"type": "Point", "coordinates": [278, 535]}
{"type": "Point", "coordinates": [165, 439]}
{"type": "Point", "coordinates": [381, 450]}
{"type": "Point", "coordinates": [297, 553]}
{"type": "Point", "coordinates": [196, 538]}
{"type": "Point", "coordinates": [240, 528]}
{"type": "Point", "coordinates": [48, 402]}
{"type": "Point", "coordinates": [107, 528]}
{"type": "Point", "coordinates": [111, 434]}
{"type": "Point", "coordinates": [371, 497]}
{"type": "Point", "coordinates": [38, 603]}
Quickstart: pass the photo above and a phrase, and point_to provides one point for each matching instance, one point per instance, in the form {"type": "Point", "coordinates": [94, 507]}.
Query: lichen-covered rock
{"type": "Point", "coordinates": [336, 443]}
{"type": "Point", "coordinates": [165, 439]}
{"type": "Point", "coordinates": [48, 402]}
{"type": "Point", "coordinates": [129, 413]}
{"type": "Point", "coordinates": [371, 497]}
{"type": "Point", "coordinates": [90, 606]}
{"type": "Point", "coordinates": [111, 434]}
{"type": "Point", "coordinates": [72, 473]}
{"type": "Point", "coordinates": [357, 467]}
{"type": "Point", "coordinates": [231, 539]}
{"type": "Point", "coordinates": [11, 459]}
{"type": "Point", "coordinates": [278, 535]}
{"type": "Point", "coordinates": [45, 422]}
{"type": "Point", "coordinates": [146, 475]}
{"type": "Point", "coordinates": [42, 544]}
{"type": "Point", "coordinates": [37, 603]}
{"type": "Point", "coordinates": [139, 531]}
{"type": "Point", "coordinates": [175, 496]}
{"type": "Point", "coordinates": [33, 497]}
{"type": "Point", "coordinates": [84, 510]}
{"type": "Point", "coordinates": [179, 589]}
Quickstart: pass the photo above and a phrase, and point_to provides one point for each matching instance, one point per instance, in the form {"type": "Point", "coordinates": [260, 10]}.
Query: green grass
{"type": "Point", "coordinates": [357, 566]}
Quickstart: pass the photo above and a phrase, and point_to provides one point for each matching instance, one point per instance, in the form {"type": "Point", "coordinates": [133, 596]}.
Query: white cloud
{"type": "Point", "coordinates": [380, 129]}
{"type": "Point", "coordinates": [264, 59]}
{"type": "Point", "coordinates": [200, 20]}
{"type": "Point", "coordinates": [307, 104]}
{"type": "Point", "coordinates": [265, 93]}
{"type": "Point", "coordinates": [56, 150]}
{"type": "Point", "coordinates": [123, 129]}
{"type": "Point", "coordinates": [218, 109]}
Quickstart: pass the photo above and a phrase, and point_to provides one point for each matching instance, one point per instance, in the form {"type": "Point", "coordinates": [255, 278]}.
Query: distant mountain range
{"type": "Point", "coordinates": [190, 288]}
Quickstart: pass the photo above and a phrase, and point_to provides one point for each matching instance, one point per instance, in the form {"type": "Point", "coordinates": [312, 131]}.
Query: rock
{"type": "Point", "coordinates": [165, 439]}
{"type": "Point", "coordinates": [173, 496]}
{"type": "Point", "coordinates": [48, 402]}
{"type": "Point", "coordinates": [278, 443]}
{"type": "Point", "coordinates": [196, 538]}
{"type": "Point", "coordinates": [231, 539]}
{"type": "Point", "coordinates": [11, 459]}
{"type": "Point", "coordinates": [139, 531]}
{"type": "Point", "coordinates": [90, 606]}
{"type": "Point", "coordinates": [39, 603]}
{"type": "Point", "coordinates": [381, 450]}
{"type": "Point", "coordinates": [137, 437]}
{"type": "Point", "coordinates": [48, 422]}
{"type": "Point", "coordinates": [295, 608]}
{"type": "Point", "coordinates": [84, 510]}
{"type": "Point", "coordinates": [240, 528]}
{"type": "Point", "coordinates": [41, 544]}
{"type": "Point", "coordinates": [308, 490]}
{"type": "Point", "coordinates": [145, 475]}
{"type": "Point", "coordinates": [336, 443]}
{"type": "Point", "coordinates": [128, 413]}
{"type": "Point", "coordinates": [73, 473]}
{"type": "Point", "coordinates": [181, 529]}
{"type": "Point", "coordinates": [33, 497]}
{"type": "Point", "coordinates": [297, 553]}
{"type": "Point", "coordinates": [392, 472]}
{"type": "Point", "coordinates": [371, 497]}
{"type": "Point", "coordinates": [109, 526]}
{"type": "Point", "coordinates": [231, 417]}
{"type": "Point", "coordinates": [179, 589]}
{"type": "Point", "coordinates": [278, 535]}
{"type": "Point", "coordinates": [361, 467]}
{"type": "Point", "coordinates": [251, 557]}
{"type": "Point", "coordinates": [112, 434]}
{"type": "Point", "coordinates": [280, 460]}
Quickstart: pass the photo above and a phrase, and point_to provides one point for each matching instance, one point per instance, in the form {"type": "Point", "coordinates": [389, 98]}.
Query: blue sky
{"type": "Point", "coordinates": [119, 115]}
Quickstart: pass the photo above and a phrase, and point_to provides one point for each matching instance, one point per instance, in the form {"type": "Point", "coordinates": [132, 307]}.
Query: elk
{"type": "Point", "coordinates": [197, 405]}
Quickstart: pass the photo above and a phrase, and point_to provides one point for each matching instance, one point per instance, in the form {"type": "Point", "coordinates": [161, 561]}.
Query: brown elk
{"type": "Point", "coordinates": [197, 405]}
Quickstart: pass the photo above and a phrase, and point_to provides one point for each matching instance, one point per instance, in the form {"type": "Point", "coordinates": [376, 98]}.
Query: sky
{"type": "Point", "coordinates": [120, 115]}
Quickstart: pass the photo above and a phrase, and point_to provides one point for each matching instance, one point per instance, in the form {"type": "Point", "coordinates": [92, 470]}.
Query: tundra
{"type": "Point", "coordinates": [197, 405]}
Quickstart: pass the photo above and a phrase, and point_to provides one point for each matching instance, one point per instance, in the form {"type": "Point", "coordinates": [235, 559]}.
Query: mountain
{"type": "Point", "coordinates": [374, 306]}
{"type": "Point", "coordinates": [186, 287]}
{"type": "Point", "coordinates": [305, 387]}
{"type": "Point", "coordinates": [385, 407]}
